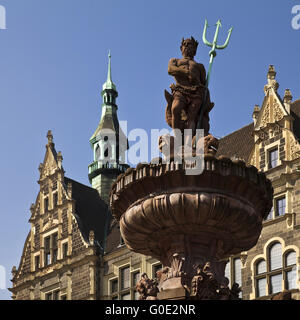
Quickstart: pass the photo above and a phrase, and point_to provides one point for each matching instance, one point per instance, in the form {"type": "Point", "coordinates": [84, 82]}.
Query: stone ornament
{"type": "Point", "coordinates": [206, 287]}
{"type": "Point", "coordinates": [147, 288]}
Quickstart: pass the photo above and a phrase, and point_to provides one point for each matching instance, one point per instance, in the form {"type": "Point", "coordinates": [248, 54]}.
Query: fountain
{"type": "Point", "coordinates": [191, 223]}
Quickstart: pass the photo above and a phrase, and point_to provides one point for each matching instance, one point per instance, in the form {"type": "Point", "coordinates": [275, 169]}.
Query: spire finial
{"type": "Point", "coordinates": [109, 83]}
{"type": "Point", "coordinates": [109, 67]}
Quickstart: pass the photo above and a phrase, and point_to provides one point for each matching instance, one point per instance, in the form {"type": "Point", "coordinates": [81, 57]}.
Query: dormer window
{"type": "Point", "coordinates": [273, 158]}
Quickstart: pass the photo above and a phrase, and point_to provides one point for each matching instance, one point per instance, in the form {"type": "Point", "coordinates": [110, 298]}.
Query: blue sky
{"type": "Point", "coordinates": [54, 62]}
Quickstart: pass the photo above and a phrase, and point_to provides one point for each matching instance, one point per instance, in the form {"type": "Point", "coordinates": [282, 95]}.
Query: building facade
{"type": "Point", "coordinates": [271, 143]}
{"type": "Point", "coordinates": [61, 255]}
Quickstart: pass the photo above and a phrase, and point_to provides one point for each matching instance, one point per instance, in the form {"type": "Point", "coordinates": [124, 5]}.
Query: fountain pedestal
{"type": "Point", "coordinates": [192, 223]}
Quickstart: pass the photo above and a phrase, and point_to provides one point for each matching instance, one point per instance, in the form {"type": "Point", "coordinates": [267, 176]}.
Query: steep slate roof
{"type": "Point", "coordinates": [113, 238]}
{"type": "Point", "coordinates": [107, 122]}
{"type": "Point", "coordinates": [91, 212]}
{"type": "Point", "coordinates": [238, 143]}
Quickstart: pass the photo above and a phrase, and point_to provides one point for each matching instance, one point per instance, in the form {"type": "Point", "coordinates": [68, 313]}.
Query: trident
{"type": "Point", "coordinates": [212, 53]}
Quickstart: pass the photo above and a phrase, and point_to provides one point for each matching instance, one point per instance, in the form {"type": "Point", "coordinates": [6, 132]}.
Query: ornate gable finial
{"type": "Point", "coordinates": [69, 189]}
{"type": "Point", "coordinates": [91, 237]}
{"type": "Point", "coordinates": [287, 99]}
{"type": "Point", "coordinates": [271, 73]}
{"type": "Point", "coordinates": [50, 138]}
{"type": "Point", "coordinates": [255, 113]}
{"type": "Point", "coordinates": [41, 166]}
{"type": "Point", "coordinates": [59, 159]}
{"type": "Point", "coordinates": [32, 208]}
{"type": "Point", "coordinates": [272, 83]}
{"type": "Point", "coordinates": [14, 271]}
{"type": "Point", "coordinates": [287, 96]}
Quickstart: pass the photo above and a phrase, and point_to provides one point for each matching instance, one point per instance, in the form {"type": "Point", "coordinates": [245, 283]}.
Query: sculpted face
{"type": "Point", "coordinates": [188, 48]}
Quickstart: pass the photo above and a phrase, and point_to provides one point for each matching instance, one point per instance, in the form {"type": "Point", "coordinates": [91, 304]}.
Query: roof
{"type": "Point", "coordinates": [238, 143]}
{"type": "Point", "coordinates": [91, 212]}
{"type": "Point", "coordinates": [113, 237]}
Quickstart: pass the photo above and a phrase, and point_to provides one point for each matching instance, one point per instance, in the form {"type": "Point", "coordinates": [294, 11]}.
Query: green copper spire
{"type": "Point", "coordinates": [109, 85]}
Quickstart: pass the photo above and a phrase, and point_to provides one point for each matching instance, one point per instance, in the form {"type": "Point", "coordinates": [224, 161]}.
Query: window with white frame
{"type": "Point", "coordinates": [276, 274]}
{"type": "Point", "coordinates": [280, 206]}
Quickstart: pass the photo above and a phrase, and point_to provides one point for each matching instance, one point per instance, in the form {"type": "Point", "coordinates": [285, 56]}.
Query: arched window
{"type": "Point", "coordinates": [275, 253]}
{"type": "Point", "coordinates": [290, 273]}
{"type": "Point", "coordinates": [261, 278]}
{"type": "Point", "coordinates": [98, 153]}
{"type": "Point", "coordinates": [275, 268]}
{"type": "Point", "coordinates": [276, 274]}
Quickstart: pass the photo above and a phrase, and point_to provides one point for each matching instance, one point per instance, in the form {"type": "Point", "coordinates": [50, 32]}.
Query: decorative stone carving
{"type": "Point", "coordinates": [278, 114]}
{"type": "Point", "coordinates": [272, 83]}
{"type": "Point", "coordinates": [206, 287]}
{"type": "Point", "coordinates": [287, 96]}
{"type": "Point", "coordinates": [289, 220]}
{"type": "Point", "coordinates": [92, 237]}
{"type": "Point", "coordinates": [294, 147]}
{"type": "Point", "coordinates": [50, 138]}
{"type": "Point", "coordinates": [276, 129]}
{"type": "Point", "coordinates": [244, 257]}
{"type": "Point", "coordinates": [265, 119]}
{"type": "Point", "coordinates": [59, 159]}
{"type": "Point", "coordinates": [147, 288]}
{"type": "Point", "coordinates": [14, 271]}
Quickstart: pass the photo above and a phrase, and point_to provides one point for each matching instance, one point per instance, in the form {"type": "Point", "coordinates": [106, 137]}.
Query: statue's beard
{"type": "Point", "coordinates": [188, 53]}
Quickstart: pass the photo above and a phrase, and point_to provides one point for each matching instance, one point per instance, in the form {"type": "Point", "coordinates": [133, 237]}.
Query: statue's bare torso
{"type": "Point", "coordinates": [187, 72]}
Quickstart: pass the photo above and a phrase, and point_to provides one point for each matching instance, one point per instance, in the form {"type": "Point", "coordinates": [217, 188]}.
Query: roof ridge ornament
{"type": "Point", "coordinates": [272, 83]}
{"type": "Point", "coordinates": [50, 139]}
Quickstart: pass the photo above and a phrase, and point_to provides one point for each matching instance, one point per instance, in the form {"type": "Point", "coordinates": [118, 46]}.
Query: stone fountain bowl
{"type": "Point", "coordinates": [216, 214]}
